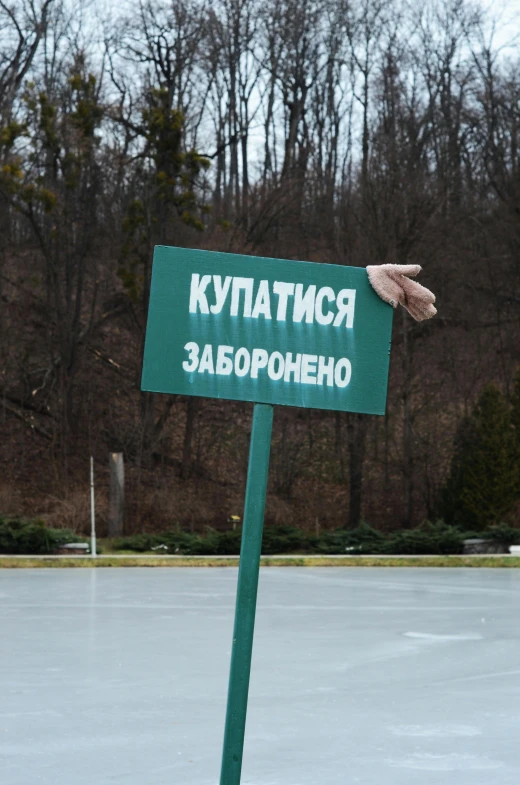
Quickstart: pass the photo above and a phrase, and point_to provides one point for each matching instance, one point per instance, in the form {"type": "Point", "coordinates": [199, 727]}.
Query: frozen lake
{"type": "Point", "coordinates": [360, 675]}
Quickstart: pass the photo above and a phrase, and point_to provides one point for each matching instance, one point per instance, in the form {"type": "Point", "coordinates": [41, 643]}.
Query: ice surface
{"type": "Point", "coordinates": [373, 676]}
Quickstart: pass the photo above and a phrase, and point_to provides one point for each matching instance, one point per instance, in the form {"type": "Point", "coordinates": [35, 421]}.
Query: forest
{"type": "Point", "coordinates": [351, 133]}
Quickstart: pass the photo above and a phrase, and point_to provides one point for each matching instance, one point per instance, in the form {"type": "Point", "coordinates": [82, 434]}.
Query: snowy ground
{"type": "Point", "coordinates": [374, 676]}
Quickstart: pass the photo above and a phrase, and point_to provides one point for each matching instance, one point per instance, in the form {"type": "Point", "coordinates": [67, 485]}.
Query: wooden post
{"type": "Point", "coordinates": [117, 494]}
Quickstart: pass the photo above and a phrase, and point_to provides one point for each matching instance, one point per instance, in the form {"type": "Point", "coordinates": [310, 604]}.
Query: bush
{"type": "Point", "coordinates": [504, 534]}
{"type": "Point", "coordinates": [362, 539]}
{"type": "Point", "coordinates": [431, 538]}
{"type": "Point", "coordinates": [194, 544]}
{"type": "Point", "coordinates": [276, 539]}
{"type": "Point", "coordinates": [174, 541]}
{"type": "Point", "coordinates": [284, 539]}
{"type": "Point", "coordinates": [365, 539]}
{"type": "Point", "coordinates": [330, 542]}
{"type": "Point", "coordinates": [137, 542]}
{"type": "Point", "coordinates": [32, 537]}
{"type": "Point", "coordinates": [229, 542]}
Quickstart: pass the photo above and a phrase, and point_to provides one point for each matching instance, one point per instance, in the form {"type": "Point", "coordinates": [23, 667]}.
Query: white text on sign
{"type": "Point", "coordinates": [282, 301]}
{"type": "Point", "coordinates": [299, 368]}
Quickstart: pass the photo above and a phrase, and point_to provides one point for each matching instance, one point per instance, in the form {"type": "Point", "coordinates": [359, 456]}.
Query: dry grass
{"type": "Point", "coordinates": [11, 562]}
{"type": "Point", "coordinates": [68, 512]}
{"type": "Point", "coordinates": [10, 502]}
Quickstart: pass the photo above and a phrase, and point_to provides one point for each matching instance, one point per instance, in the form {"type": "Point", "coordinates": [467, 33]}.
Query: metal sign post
{"type": "Point", "coordinates": [270, 331]}
{"type": "Point", "coordinates": [247, 587]}
{"type": "Point", "coordinates": [93, 549]}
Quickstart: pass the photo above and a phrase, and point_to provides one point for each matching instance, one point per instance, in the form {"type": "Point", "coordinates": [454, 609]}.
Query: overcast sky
{"type": "Point", "coordinates": [509, 13]}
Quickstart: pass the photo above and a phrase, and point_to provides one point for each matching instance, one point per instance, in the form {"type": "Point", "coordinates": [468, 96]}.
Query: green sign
{"type": "Point", "coordinates": [269, 331]}
{"type": "Point", "coordinates": [266, 330]}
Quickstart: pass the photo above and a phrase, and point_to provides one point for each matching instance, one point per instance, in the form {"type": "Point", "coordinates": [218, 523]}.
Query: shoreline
{"type": "Point", "coordinates": [17, 561]}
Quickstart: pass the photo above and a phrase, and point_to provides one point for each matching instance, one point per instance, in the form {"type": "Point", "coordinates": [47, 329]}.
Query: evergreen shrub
{"type": "Point", "coordinates": [284, 539]}
{"type": "Point", "coordinates": [138, 543]}
{"type": "Point", "coordinates": [483, 485]}
{"type": "Point", "coordinates": [430, 539]}
{"type": "Point", "coordinates": [32, 537]}
{"type": "Point", "coordinates": [502, 533]}
{"type": "Point", "coordinates": [362, 539]}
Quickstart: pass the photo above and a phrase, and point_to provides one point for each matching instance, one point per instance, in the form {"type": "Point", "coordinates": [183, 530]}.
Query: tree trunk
{"type": "Point", "coordinates": [357, 425]}
{"type": "Point", "coordinates": [117, 494]}
{"type": "Point", "coordinates": [408, 467]}
{"type": "Point", "coordinates": [188, 437]}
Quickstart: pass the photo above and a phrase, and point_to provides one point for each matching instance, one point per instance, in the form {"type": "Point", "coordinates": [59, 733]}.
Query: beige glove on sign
{"type": "Point", "coordinates": [393, 286]}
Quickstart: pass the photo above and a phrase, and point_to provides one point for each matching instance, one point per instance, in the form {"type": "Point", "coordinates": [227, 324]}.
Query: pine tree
{"type": "Point", "coordinates": [483, 484]}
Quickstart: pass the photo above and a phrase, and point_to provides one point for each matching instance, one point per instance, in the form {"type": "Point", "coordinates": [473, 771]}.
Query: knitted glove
{"type": "Point", "coordinates": [391, 283]}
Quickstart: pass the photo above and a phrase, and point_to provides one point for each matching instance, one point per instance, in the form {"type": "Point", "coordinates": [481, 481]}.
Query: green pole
{"type": "Point", "coordinates": [245, 608]}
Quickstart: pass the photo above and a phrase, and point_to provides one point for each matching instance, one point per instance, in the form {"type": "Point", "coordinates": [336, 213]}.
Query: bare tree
{"type": "Point", "coordinates": [22, 27]}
